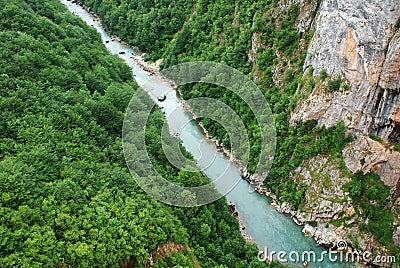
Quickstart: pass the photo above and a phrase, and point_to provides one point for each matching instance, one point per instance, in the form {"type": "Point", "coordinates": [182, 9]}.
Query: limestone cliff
{"type": "Point", "coordinates": [357, 40]}
{"type": "Point", "coordinates": [328, 207]}
{"type": "Point", "coordinates": [360, 42]}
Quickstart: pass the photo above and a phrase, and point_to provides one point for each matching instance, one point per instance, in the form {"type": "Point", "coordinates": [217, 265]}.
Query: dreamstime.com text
{"type": "Point", "coordinates": [341, 254]}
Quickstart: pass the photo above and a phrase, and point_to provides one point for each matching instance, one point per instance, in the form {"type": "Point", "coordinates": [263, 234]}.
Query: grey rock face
{"type": "Point", "coordinates": [351, 32]}
{"type": "Point", "coordinates": [357, 40]}
{"type": "Point", "coordinates": [396, 236]}
{"type": "Point", "coordinates": [365, 154]}
{"type": "Point", "coordinates": [324, 197]}
{"type": "Point", "coordinates": [308, 230]}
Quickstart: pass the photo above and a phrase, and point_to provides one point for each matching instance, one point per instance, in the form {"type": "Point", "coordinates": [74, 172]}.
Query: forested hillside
{"type": "Point", "coordinates": [223, 32]}
{"type": "Point", "coordinates": [267, 40]}
{"type": "Point", "coordinates": [66, 196]}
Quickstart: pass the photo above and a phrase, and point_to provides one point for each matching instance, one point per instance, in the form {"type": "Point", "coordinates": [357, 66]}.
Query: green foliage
{"type": "Point", "coordinates": [313, 223]}
{"type": "Point", "coordinates": [334, 85]}
{"type": "Point", "coordinates": [287, 38]}
{"type": "Point", "coordinates": [66, 195]}
{"type": "Point", "coordinates": [304, 141]}
{"type": "Point", "coordinates": [222, 31]}
{"type": "Point", "coordinates": [266, 59]}
{"type": "Point", "coordinates": [149, 25]}
{"type": "Point", "coordinates": [338, 222]}
{"type": "Point", "coordinates": [345, 86]}
{"type": "Point", "coordinates": [286, 41]}
{"type": "Point", "coordinates": [371, 194]}
{"type": "Point", "coordinates": [65, 189]}
{"type": "Point", "coordinates": [323, 74]}
{"type": "Point", "coordinates": [355, 189]}
{"type": "Point", "coordinates": [308, 82]}
{"type": "Point", "coordinates": [375, 138]}
{"type": "Point", "coordinates": [396, 146]}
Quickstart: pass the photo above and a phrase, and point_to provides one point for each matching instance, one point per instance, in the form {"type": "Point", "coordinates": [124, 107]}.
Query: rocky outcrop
{"type": "Point", "coordinates": [324, 197]}
{"type": "Point", "coordinates": [327, 212]}
{"type": "Point", "coordinates": [306, 17]}
{"type": "Point", "coordinates": [396, 236]}
{"type": "Point", "coordinates": [351, 37]}
{"type": "Point", "coordinates": [357, 40]}
{"type": "Point", "coordinates": [365, 154]}
{"type": "Point", "coordinates": [308, 230]}
{"type": "Point", "coordinates": [163, 251]}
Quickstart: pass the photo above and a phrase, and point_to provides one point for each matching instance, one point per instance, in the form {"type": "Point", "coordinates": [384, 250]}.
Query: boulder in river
{"type": "Point", "coordinates": [308, 230]}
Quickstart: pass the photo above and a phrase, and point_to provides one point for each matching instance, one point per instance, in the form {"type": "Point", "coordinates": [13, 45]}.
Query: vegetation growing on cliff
{"type": "Point", "coordinates": [371, 195]}
{"type": "Point", "coordinates": [304, 141]}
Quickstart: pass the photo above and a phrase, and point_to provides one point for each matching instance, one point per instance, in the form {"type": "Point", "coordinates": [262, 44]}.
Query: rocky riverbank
{"type": "Point", "coordinates": [242, 226]}
{"type": "Point", "coordinates": [220, 146]}
{"type": "Point", "coordinates": [137, 57]}
{"type": "Point", "coordinates": [327, 213]}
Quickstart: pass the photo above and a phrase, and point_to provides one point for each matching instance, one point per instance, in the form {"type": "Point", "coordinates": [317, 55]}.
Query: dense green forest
{"type": "Point", "coordinates": [222, 32]}
{"type": "Point", "coordinates": [226, 31]}
{"type": "Point", "coordinates": [66, 195]}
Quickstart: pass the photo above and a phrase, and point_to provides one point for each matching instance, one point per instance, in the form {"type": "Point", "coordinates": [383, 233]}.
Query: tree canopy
{"type": "Point", "coordinates": [66, 195]}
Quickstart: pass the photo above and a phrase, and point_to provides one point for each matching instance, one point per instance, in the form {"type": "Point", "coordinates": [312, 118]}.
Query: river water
{"type": "Point", "coordinates": [271, 230]}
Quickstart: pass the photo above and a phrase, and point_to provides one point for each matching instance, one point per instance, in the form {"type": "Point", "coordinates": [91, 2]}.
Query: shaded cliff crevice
{"type": "Point", "coordinates": [383, 125]}
{"type": "Point", "coordinates": [385, 120]}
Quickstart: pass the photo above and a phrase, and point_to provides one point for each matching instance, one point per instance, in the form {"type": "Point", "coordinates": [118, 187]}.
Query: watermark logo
{"type": "Point", "coordinates": [341, 245]}
{"type": "Point", "coordinates": [342, 253]}
{"type": "Point", "coordinates": [159, 89]}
